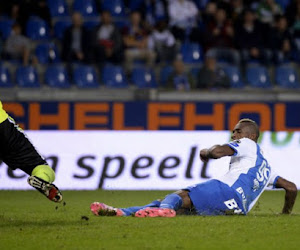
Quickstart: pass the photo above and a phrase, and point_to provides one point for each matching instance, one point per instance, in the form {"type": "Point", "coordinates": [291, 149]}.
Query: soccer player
{"type": "Point", "coordinates": [18, 152]}
{"type": "Point", "coordinates": [234, 193]}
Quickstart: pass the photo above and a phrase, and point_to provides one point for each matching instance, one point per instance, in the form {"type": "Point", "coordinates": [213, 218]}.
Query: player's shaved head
{"type": "Point", "coordinates": [251, 126]}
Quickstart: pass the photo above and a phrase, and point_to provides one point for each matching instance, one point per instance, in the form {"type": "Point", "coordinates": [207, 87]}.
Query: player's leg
{"type": "Point", "coordinates": [102, 209]}
{"type": "Point", "coordinates": [214, 198]}
{"type": "Point", "coordinates": [18, 152]}
{"type": "Point", "coordinates": [169, 205]}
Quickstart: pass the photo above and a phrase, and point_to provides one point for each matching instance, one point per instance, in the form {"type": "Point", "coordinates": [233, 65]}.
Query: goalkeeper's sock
{"type": "Point", "coordinates": [44, 172]}
{"type": "Point", "coordinates": [173, 201]}
{"type": "Point", "coordinates": [131, 210]}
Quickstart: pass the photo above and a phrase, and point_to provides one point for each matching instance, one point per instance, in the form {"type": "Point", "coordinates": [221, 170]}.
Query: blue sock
{"type": "Point", "coordinates": [131, 210]}
{"type": "Point", "coordinates": [172, 201]}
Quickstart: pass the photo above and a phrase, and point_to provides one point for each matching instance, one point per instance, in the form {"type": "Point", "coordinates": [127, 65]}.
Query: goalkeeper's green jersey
{"type": "Point", "coordinates": [3, 114]}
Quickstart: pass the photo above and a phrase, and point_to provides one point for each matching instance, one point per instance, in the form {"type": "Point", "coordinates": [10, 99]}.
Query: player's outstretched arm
{"type": "Point", "coordinates": [290, 194]}
{"type": "Point", "coordinates": [216, 152]}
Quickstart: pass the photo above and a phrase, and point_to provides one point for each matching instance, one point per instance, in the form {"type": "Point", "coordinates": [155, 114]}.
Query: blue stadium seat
{"type": "Point", "coordinates": [286, 77]}
{"type": "Point", "coordinates": [143, 78]}
{"type": "Point", "coordinates": [257, 76]}
{"type": "Point", "coordinates": [60, 27]}
{"type": "Point", "coordinates": [85, 77]}
{"type": "Point", "coordinates": [58, 8]}
{"type": "Point", "coordinates": [191, 53]}
{"type": "Point", "coordinates": [283, 3]}
{"type": "Point", "coordinates": [5, 79]}
{"type": "Point", "coordinates": [113, 76]}
{"type": "Point", "coordinates": [56, 76]}
{"type": "Point", "coordinates": [201, 4]}
{"type": "Point", "coordinates": [27, 77]}
{"type": "Point", "coordinates": [47, 53]}
{"type": "Point", "coordinates": [85, 7]}
{"type": "Point", "coordinates": [115, 7]}
{"type": "Point", "coordinates": [165, 74]}
{"type": "Point", "coordinates": [5, 27]}
{"type": "Point", "coordinates": [37, 29]}
{"type": "Point", "coordinates": [234, 75]}
{"type": "Point", "coordinates": [135, 4]}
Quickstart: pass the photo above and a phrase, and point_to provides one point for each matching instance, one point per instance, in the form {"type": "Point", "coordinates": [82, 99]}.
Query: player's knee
{"type": "Point", "coordinates": [44, 172]}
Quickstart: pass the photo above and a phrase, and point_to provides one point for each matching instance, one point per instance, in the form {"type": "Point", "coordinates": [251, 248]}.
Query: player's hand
{"type": "Point", "coordinates": [204, 155]}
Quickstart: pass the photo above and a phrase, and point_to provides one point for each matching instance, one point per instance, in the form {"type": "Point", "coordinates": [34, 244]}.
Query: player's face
{"type": "Point", "coordinates": [240, 131]}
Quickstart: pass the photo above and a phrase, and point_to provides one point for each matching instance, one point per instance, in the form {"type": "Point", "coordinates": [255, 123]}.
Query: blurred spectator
{"type": "Point", "coordinates": [291, 11]}
{"type": "Point", "coordinates": [17, 46]}
{"type": "Point", "coordinates": [75, 41]}
{"type": "Point", "coordinates": [198, 34]}
{"type": "Point", "coordinates": [250, 39]}
{"type": "Point", "coordinates": [237, 9]}
{"type": "Point", "coordinates": [219, 36]}
{"type": "Point", "coordinates": [106, 41]}
{"type": "Point", "coordinates": [295, 28]}
{"type": "Point", "coordinates": [180, 79]}
{"type": "Point", "coordinates": [162, 42]}
{"type": "Point", "coordinates": [154, 10]}
{"type": "Point", "coordinates": [10, 8]}
{"type": "Point", "coordinates": [136, 42]}
{"type": "Point", "coordinates": [211, 76]}
{"type": "Point", "coordinates": [281, 41]}
{"type": "Point", "coordinates": [267, 10]}
{"type": "Point", "coordinates": [209, 12]}
{"type": "Point", "coordinates": [182, 17]}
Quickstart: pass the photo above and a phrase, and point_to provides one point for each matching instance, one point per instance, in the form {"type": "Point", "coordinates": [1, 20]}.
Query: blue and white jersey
{"type": "Point", "coordinates": [249, 172]}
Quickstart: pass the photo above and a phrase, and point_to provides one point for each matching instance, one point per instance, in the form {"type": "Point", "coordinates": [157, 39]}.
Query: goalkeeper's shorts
{"type": "Point", "coordinates": [16, 151]}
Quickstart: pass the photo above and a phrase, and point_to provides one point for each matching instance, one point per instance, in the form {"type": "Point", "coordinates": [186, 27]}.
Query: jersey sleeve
{"type": "Point", "coordinates": [273, 179]}
{"type": "Point", "coordinates": [242, 147]}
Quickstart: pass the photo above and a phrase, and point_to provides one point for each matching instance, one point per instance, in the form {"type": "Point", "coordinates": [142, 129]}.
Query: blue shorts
{"type": "Point", "coordinates": [215, 198]}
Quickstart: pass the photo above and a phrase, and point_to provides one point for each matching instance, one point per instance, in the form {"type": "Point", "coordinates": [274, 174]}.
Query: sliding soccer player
{"type": "Point", "coordinates": [234, 193]}
{"type": "Point", "coordinates": [16, 151]}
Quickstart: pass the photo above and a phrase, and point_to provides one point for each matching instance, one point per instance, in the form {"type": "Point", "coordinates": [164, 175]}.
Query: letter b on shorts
{"type": "Point", "coordinates": [231, 204]}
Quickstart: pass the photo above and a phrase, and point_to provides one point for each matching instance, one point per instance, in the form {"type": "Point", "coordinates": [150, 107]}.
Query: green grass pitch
{"type": "Point", "coordinates": [29, 221]}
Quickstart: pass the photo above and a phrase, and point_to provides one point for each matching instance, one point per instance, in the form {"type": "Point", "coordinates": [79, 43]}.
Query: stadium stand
{"type": "Point", "coordinates": [165, 73]}
{"type": "Point", "coordinates": [86, 7]}
{"type": "Point", "coordinates": [191, 53]}
{"type": "Point", "coordinates": [56, 77]}
{"type": "Point", "coordinates": [47, 46]}
{"type": "Point", "coordinates": [115, 7]}
{"type": "Point", "coordinates": [85, 77]}
{"type": "Point", "coordinates": [287, 77]}
{"type": "Point", "coordinates": [27, 77]}
{"type": "Point", "coordinates": [37, 29]}
{"type": "Point", "coordinates": [47, 53]}
{"type": "Point", "coordinates": [60, 26]}
{"type": "Point", "coordinates": [5, 26]}
{"type": "Point", "coordinates": [144, 78]}
{"type": "Point", "coordinates": [114, 76]}
{"type": "Point", "coordinates": [234, 75]}
{"type": "Point", "coordinates": [58, 8]}
{"type": "Point", "coordinates": [5, 78]}
{"type": "Point", "coordinates": [257, 76]}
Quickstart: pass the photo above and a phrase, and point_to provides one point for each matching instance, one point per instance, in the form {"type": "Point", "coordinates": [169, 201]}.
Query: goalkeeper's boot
{"type": "Point", "coordinates": [46, 188]}
{"type": "Point", "coordinates": [155, 212]}
{"type": "Point", "coordinates": [101, 209]}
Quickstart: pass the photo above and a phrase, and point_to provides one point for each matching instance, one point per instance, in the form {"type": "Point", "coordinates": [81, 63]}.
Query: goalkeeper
{"type": "Point", "coordinates": [16, 151]}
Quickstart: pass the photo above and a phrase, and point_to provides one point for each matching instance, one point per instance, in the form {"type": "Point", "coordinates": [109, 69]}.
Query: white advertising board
{"type": "Point", "coordinates": [127, 160]}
